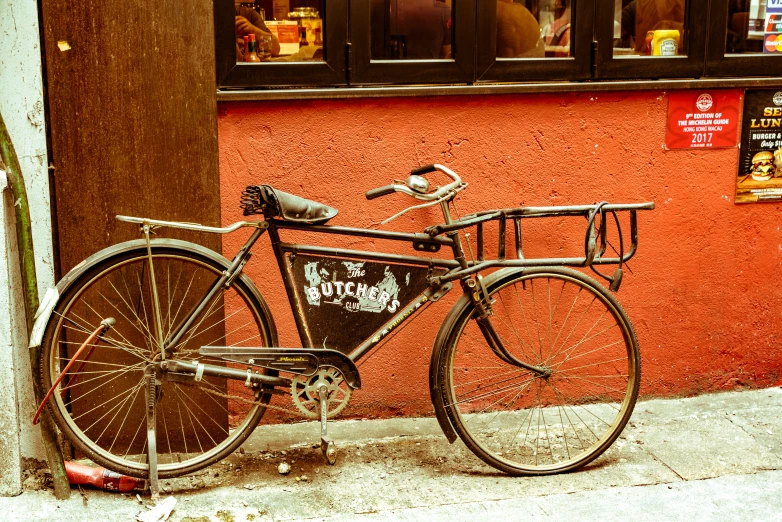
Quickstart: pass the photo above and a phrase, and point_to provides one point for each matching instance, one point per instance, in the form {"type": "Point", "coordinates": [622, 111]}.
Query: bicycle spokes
{"type": "Point", "coordinates": [527, 421]}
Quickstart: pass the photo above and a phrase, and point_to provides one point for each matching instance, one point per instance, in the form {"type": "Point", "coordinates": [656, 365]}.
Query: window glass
{"type": "Point", "coordinates": [533, 28]}
{"type": "Point", "coordinates": [411, 29]}
{"type": "Point", "coordinates": [650, 27]}
{"type": "Point", "coordinates": [279, 31]}
{"type": "Point", "coordinates": [754, 27]}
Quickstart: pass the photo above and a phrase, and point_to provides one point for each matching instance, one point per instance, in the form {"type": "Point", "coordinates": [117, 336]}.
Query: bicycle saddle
{"type": "Point", "coordinates": [266, 200]}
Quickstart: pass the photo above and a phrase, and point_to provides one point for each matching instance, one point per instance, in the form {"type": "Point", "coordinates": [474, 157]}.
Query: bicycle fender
{"type": "Point", "coordinates": [439, 349]}
{"type": "Point", "coordinates": [52, 295]}
{"type": "Point", "coordinates": [42, 315]}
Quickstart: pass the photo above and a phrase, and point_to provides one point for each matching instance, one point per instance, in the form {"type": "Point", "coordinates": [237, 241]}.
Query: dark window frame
{"type": "Point", "coordinates": [576, 67]}
{"type": "Point", "coordinates": [366, 71]}
{"type": "Point", "coordinates": [347, 33]}
{"type": "Point", "coordinates": [332, 71]}
{"type": "Point", "coordinates": [608, 66]}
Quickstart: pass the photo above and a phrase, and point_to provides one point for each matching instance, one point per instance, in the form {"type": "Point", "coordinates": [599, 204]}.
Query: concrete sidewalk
{"type": "Point", "coordinates": [713, 457]}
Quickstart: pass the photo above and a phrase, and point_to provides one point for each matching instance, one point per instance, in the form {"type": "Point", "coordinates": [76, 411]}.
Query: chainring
{"type": "Point", "coordinates": [304, 391]}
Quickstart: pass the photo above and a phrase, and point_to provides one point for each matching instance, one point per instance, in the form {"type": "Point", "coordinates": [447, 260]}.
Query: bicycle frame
{"type": "Point", "coordinates": [457, 268]}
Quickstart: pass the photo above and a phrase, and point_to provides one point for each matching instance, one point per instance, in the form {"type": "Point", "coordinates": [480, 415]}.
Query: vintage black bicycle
{"type": "Point", "coordinates": [161, 356]}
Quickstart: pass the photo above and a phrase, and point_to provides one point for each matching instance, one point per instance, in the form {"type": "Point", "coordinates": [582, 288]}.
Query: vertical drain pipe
{"type": "Point", "coordinates": [24, 238]}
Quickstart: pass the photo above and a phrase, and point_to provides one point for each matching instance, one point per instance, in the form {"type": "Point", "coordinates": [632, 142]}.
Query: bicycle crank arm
{"type": "Point", "coordinates": [198, 370]}
{"type": "Point", "coordinates": [498, 347]}
{"type": "Point", "coordinates": [301, 361]}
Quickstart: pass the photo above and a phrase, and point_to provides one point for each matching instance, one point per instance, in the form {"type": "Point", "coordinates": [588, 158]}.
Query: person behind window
{"type": "Point", "coordinates": [518, 32]}
{"type": "Point", "coordinates": [248, 22]}
{"type": "Point", "coordinates": [557, 33]}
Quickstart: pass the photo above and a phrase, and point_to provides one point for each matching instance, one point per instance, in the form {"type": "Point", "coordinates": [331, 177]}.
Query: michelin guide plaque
{"type": "Point", "coordinates": [759, 177]}
{"type": "Point", "coordinates": [703, 119]}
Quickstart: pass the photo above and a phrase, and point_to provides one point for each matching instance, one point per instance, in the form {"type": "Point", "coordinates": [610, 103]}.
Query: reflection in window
{"type": "Point", "coordinates": [649, 27]}
{"type": "Point", "coordinates": [751, 29]}
{"type": "Point", "coordinates": [411, 29]}
{"type": "Point", "coordinates": [279, 31]}
{"type": "Point", "coordinates": [533, 28]}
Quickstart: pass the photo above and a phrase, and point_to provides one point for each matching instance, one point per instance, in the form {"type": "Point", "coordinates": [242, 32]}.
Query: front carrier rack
{"type": "Point", "coordinates": [595, 240]}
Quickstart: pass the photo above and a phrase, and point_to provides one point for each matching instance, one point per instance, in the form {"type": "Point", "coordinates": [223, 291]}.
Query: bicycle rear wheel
{"type": "Point", "coordinates": [526, 424]}
{"type": "Point", "coordinates": [101, 404]}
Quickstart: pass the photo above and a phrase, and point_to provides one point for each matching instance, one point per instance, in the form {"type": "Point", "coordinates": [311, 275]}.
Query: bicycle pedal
{"type": "Point", "coordinates": [329, 450]}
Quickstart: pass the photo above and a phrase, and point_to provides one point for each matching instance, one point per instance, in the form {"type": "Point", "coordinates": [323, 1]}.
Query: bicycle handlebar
{"type": "Point", "coordinates": [432, 196]}
{"type": "Point", "coordinates": [426, 169]}
{"type": "Point", "coordinates": [381, 191]}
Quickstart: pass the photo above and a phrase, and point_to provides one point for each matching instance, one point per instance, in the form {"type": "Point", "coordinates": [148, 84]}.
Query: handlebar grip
{"type": "Point", "coordinates": [423, 170]}
{"type": "Point", "coordinates": [380, 191]}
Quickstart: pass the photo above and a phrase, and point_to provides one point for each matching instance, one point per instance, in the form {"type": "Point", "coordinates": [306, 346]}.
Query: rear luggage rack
{"type": "Point", "coordinates": [595, 241]}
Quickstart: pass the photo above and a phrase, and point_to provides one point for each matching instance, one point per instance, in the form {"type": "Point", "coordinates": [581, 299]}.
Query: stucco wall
{"type": "Point", "coordinates": [21, 104]}
{"type": "Point", "coordinates": [703, 292]}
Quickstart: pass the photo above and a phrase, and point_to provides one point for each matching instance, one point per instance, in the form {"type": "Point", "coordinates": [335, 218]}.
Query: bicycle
{"type": "Point", "coordinates": [161, 356]}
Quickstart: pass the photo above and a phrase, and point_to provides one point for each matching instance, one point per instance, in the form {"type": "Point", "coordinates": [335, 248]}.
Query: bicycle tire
{"type": "Point", "coordinates": [117, 285]}
{"type": "Point", "coordinates": [496, 408]}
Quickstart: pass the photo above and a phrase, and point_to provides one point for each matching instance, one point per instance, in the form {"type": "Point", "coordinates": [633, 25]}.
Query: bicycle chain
{"type": "Point", "coordinates": [248, 401]}
{"type": "Point", "coordinates": [296, 410]}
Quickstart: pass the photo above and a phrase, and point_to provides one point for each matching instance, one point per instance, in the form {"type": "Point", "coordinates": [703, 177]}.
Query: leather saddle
{"type": "Point", "coordinates": [266, 200]}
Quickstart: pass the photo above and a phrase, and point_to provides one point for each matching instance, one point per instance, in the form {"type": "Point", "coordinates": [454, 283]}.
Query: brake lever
{"type": "Point", "coordinates": [445, 197]}
{"type": "Point", "coordinates": [408, 209]}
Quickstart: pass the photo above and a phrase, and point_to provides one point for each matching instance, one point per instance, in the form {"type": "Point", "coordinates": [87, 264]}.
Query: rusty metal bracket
{"type": "Point", "coordinates": [105, 325]}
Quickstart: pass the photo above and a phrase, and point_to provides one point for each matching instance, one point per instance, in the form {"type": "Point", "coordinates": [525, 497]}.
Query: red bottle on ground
{"type": "Point", "coordinates": [102, 478]}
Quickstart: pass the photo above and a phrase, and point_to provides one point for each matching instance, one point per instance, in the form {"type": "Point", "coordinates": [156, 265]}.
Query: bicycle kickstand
{"type": "Point", "coordinates": [154, 486]}
{"type": "Point", "coordinates": [327, 445]}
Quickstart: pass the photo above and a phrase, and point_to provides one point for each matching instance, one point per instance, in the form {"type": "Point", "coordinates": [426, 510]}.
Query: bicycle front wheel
{"type": "Point", "coordinates": [521, 422]}
{"type": "Point", "coordinates": [101, 404]}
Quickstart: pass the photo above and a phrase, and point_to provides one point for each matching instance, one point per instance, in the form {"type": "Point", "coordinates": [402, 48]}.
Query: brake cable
{"type": "Point", "coordinates": [616, 279]}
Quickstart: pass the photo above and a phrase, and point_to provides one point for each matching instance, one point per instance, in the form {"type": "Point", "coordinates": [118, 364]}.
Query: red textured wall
{"type": "Point", "coordinates": [703, 292]}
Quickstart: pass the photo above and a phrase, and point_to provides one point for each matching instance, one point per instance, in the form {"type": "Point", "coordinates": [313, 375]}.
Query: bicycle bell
{"type": "Point", "coordinates": [418, 184]}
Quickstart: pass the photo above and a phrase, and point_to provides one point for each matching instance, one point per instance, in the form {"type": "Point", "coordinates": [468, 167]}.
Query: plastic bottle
{"type": "Point", "coordinates": [665, 42]}
{"type": "Point", "coordinates": [252, 46]}
{"type": "Point", "coordinates": [102, 478]}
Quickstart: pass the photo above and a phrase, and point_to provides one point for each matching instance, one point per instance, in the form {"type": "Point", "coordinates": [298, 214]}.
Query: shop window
{"type": "Point", "coordinates": [649, 28]}
{"type": "Point", "coordinates": [651, 38]}
{"type": "Point", "coordinates": [745, 38]}
{"type": "Point", "coordinates": [263, 35]}
{"type": "Point", "coordinates": [412, 41]}
{"type": "Point", "coordinates": [411, 29]}
{"type": "Point", "coordinates": [523, 40]}
{"type": "Point", "coordinates": [747, 27]}
{"type": "Point", "coordinates": [524, 34]}
{"type": "Point", "coordinates": [310, 43]}
{"type": "Point", "coordinates": [280, 42]}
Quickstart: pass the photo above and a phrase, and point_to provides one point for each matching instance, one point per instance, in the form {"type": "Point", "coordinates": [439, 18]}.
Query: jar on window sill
{"type": "Point", "coordinates": [309, 19]}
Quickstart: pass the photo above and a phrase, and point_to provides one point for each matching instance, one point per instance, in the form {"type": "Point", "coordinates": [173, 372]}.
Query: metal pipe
{"type": "Point", "coordinates": [536, 212]}
{"type": "Point", "coordinates": [190, 226]}
{"type": "Point", "coordinates": [219, 283]}
{"type": "Point", "coordinates": [290, 287]}
{"type": "Point", "coordinates": [375, 256]}
{"type": "Point", "coordinates": [480, 242]}
{"type": "Point", "coordinates": [529, 263]}
{"type": "Point", "coordinates": [501, 240]}
{"type": "Point", "coordinates": [517, 235]}
{"type": "Point", "coordinates": [100, 330]}
{"type": "Point", "coordinates": [390, 326]}
{"type": "Point", "coordinates": [361, 232]}
{"type": "Point", "coordinates": [176, 365]}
